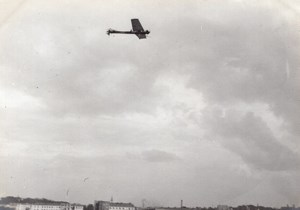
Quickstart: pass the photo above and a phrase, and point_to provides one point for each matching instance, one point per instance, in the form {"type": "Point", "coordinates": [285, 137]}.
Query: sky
{"type": "Point", "coordinates": [205, 110]}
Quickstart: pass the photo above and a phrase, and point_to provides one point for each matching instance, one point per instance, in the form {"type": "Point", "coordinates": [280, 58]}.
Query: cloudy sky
{"type": "Point", "coordinates": [205, 110]}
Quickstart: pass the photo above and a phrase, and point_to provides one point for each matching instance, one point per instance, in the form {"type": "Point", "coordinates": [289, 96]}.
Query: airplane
{"type": "Point", "coordinates": [137, 29]}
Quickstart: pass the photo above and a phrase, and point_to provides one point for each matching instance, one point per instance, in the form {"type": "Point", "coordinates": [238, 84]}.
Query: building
{"type": "Point", "coordinates": [9, 206]}
{"type": "Point", "coordinates": [48, 206]}
{"type": "Point", "coordinates": [73, 207]}
{"type": "Point", "coordinates": [108, 205]}
{"type": "Point", "coordinates": [170, 208]}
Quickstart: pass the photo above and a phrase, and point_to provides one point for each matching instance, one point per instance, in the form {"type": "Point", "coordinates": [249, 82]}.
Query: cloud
{"type": "Point", "coordinates": [209, 100]}
{"type": "Point", "coordinates": [235, 61]}
{"type": "Point", "coordinates": [158, 156]}
{"type": "Point", "coordinates": [250, 137]}
{"type": "Point", "coordinates": [154, 156]}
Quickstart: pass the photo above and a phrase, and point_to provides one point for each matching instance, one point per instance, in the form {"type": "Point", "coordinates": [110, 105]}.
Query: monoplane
{"type": "Point", "coordinates": [137, 29]}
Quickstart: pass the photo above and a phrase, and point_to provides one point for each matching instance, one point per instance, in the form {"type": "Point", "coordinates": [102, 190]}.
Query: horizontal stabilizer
{"type": "Point", "coordinates": [141, 36]}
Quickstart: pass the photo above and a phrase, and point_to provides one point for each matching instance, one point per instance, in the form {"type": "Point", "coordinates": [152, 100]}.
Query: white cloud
{"type": "Point", "coordinates": [201, 105]}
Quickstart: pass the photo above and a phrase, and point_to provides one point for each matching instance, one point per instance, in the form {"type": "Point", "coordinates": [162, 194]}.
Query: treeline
{"type": "Point", "coordinates": [88, 207]}
{"type": "Point", "coordinates": [252, 207]}
{"type": "Point", "coordinates": [11, 199]}
{"type": "Point", "coordinates": [243, 207]}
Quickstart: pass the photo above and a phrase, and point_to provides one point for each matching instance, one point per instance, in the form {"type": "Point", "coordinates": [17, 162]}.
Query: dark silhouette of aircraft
{"type": "Point", "coordinates": [137, 29]}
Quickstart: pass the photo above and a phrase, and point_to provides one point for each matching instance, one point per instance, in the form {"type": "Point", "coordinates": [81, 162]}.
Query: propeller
{"type": "Point", "coordinates": [109, 31]}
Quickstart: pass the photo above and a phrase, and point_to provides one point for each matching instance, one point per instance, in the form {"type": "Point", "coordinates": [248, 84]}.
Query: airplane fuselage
{"type": "Point", "coordinates": [137, 29]}
{"type": "Point", "coordinates": [111, 31]}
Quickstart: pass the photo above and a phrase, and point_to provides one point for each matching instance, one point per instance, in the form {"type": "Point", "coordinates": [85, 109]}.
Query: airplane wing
{"type": "Point", "coordinates": [141, 36]}
{"type": "Point", "coordinates": [136, 25]}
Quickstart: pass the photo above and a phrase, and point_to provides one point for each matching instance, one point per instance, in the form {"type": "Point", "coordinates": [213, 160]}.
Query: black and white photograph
{"type": "Point", "coordinates": [149, 105]}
